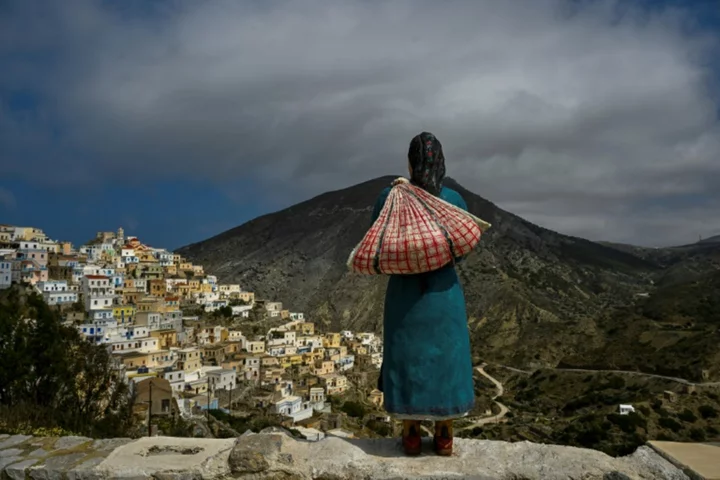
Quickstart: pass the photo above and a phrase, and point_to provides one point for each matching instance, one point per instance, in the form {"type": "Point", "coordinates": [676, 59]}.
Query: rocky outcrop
{"type": "Point", "coordinates": [275, 455]}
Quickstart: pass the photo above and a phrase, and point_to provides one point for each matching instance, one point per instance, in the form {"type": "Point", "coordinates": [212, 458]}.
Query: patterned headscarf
{"type": "Point", "coordinates": [427, 163]}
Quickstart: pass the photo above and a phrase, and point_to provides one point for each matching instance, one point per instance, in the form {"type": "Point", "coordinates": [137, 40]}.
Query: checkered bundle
{"type": "Point", "coordinates": [415, 232]}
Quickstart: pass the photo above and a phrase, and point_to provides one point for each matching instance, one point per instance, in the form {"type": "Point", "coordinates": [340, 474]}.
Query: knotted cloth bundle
{"type": "Point", "coordinates": [416, 232]}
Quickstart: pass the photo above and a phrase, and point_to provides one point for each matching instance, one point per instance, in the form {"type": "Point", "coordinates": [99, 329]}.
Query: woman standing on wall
{"type": "Point", "coordinates": [427, 368]}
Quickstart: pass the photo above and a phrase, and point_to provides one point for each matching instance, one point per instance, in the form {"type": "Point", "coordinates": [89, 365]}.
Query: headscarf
{"type": "Point", "coordinates": [427, 163]}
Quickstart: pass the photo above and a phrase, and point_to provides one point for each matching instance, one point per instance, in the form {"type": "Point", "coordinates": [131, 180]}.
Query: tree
{"type": "Point", "coordinates": [50, 376]}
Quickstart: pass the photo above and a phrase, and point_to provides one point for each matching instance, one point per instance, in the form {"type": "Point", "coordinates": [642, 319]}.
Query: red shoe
{"type": "Point", "coordinates": [443, 439]}
{"type": "Point", "coordinates": [411, 439]}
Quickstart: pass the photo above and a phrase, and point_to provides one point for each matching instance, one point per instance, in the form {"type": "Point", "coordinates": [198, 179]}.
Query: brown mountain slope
{"type": "Point", "coordinates": [674, 332]}
{"type": "Point", "coordinates": [532, 293]}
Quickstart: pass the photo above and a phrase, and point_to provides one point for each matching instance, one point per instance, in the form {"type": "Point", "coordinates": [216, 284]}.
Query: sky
{"type": "Point", "coordinates": [180, 119]}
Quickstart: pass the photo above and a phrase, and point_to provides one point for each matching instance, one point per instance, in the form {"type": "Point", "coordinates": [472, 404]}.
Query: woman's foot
{"type": "Point", "coordinates": [443, 440]}
{"type": "Point", "coordinates": [411, 439]}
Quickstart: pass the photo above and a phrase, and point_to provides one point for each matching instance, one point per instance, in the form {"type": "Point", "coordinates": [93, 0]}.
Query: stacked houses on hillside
{"type": "Point", "coordinates": [133, 299]}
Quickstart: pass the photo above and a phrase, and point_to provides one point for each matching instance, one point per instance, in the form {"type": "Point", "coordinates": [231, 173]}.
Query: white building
{"type": "Point", "coordinates": [56, 292]}
{"type": "Point", "coordinates": [292, 406]}
{"type": "Point", "coordinates": [223, 379]}
{"type": "Point", "coordinates": [242, 311]}
{"type": "Point", "coordinates": [626, 409]}
{"type": "Point", "coordinates": [176, 379]}
{"type": "Point", "coordinates": [98, 292]}
{"type": "Point", "coordinates": [5, 273]}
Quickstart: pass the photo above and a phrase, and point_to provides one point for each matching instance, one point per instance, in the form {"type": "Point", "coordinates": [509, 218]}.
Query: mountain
{"type": "Point", "coordinates": [534, 296]}
{"type": "Point", "coordinates": [714, 240]}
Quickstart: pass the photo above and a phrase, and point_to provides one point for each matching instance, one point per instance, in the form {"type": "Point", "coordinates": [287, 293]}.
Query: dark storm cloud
{"type": "Point", "coordinates": [575, 118]}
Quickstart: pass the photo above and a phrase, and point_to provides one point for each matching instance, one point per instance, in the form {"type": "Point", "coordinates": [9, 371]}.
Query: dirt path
{"type": "Point", "coordinates": [619, 372]}
{"type": "Point", "coordinates": [499, 392]}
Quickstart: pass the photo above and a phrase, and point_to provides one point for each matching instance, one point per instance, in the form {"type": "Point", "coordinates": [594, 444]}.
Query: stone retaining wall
{"type": "Point", "coordinates": [276, 455]}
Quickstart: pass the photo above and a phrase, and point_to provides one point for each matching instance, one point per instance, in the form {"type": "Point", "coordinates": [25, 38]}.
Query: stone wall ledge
{"type": "Point", "coordinates": [276, 455]}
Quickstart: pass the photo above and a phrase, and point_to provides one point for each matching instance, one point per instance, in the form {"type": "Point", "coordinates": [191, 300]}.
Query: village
{"type": "Point", "coordinates": [188, 345]}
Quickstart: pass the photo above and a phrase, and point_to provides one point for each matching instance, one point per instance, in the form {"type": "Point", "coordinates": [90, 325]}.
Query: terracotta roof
{"type": "Point", "coordinates": [96, 277]}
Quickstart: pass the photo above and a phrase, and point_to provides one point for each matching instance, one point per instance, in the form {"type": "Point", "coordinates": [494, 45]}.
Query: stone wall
{"type": "Point", "coordinates": [276, 455]}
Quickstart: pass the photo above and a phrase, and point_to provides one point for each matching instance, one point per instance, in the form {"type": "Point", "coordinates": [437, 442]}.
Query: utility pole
{"type": "Point", "coordinates": [207, 410]}
{"type": "Point", "coordinates": [150, 411]}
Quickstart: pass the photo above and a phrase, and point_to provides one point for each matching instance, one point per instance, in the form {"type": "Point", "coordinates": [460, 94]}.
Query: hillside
{"type": "Point", "coordinates": [674, 332]}
{"type": "Point", "coordinates": [581, 409]}
{"type": "Point", "coordinates": [532, 294]}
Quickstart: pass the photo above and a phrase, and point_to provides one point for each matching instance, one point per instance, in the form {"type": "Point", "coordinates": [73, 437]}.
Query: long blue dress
{"type": "Point", "coordinates": [427, 366]}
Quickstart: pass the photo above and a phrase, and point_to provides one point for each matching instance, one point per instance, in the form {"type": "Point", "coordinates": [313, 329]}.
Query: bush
{"type": "Point", "coordinates": [697, 434]}
{"type": "Point", "coordinates": [51, 377]}
{"type": "Point", "coordinates": [628, 423]}
{"type": "Point", "coordinates": [707, 411]}
{"type": "Point", "coordinates": [354, 409]}
{"type": "Point", "coordinates": [669, 423]}
{"type": "Point", "coordinates": [644, 410]}
{"type": "Point", "coordinates": [616, 382]}
{"type": "Point", "coordinates": [687, 416]}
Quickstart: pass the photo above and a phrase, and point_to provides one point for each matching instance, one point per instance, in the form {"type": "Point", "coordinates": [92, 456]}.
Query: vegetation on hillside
{"type": "Point", "coordinates": [581, 409]}
{"type": "Point", "coordinates": [51, 377]}
{"type": "Point", "coordinates": [674, 332]}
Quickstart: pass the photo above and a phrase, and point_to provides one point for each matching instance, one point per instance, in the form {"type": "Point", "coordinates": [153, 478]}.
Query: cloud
{"type": "Point", "coordinates": [577, 115]}
{"type": "Point", "coordinates": [7, 199]}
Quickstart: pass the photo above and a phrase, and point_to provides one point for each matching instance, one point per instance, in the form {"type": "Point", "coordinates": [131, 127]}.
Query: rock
{"type": "Point", "coordinates": [13, 440]}
{"type": "Point", "coordinates": [5, 461]}
{"type": "Point", "coordinates": [10, 452]}
{"type": "Point", "coordinates": [169, 457]}
{"type": "Point", "coordinates": [54, 467]}
{"type": "Point", "coordinates": [333, 458]}
{"type": "Point", "coordinates": [247, 462]}
{"type": "Point", "coordinates": [278, 456]}
{"type": "Point", "coordinates": [66, 443]}
{"type": "Point", "coordinates": [17, 471]}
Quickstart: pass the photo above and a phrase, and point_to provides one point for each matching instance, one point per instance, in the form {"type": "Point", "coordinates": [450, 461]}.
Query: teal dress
{"type": "Point", "coordinates": [427, 366]}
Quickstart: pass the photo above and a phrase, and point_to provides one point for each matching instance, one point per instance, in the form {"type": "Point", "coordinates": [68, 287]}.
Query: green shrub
{"type": "Point", "coordinates": [353, 409]}
{"type": "Point", "coordinates": [697, 434]}
{"type": "Point", "coordinates": [616, 382]}
{"type": "Point", "coordinates": [669, 423]}
{"type": "Point", "coordinates": [708, 411]}
{"type": "Point", "coordinates": [687, 416]}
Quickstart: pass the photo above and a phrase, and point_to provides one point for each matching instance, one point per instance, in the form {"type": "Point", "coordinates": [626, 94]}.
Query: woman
{"type": "Point", "coordinates": [427, 368]}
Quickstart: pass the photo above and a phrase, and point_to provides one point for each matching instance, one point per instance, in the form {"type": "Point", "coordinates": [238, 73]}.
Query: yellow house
{"type": "Point", "coordinates": [185, 267]}
{"type": "Point", "coordinates": [205, 288]}
{"type": "Point", "coordinates": [123, 313]}
{"type": "Point", "coordinates": [150, 304]}
{"type": "Point", "coordinates": [189, 359]}
{"type": "Point", "coordinates": [146, 257]}
{"type": "Point", "coordinates": [331, 340]}
{"type": "Point", "coordinates": [198, 269]}
{"type": "Point", "coordinates": [311, 357]}
{"type": "Point", "coordinates": [177, 259]}
{"type": "Point", "coordinates": [157, 287]}
{"type": "Point", "coordinates": [284, 314]}
{"type": "Point", "coordinates": [376, 397]}
{"type": "Point", "coordinates": [269, 361]}
{"type": "Point", "coordinates": [183, 289]}
{"type": "Point", "coordinates": [255, 347]}
{"type": "Point", "coordinates": [323, 367]}
{"type": "Point", "coordinates": [170, 269]}
{"type": "Point", "coordinates": [247, 297]}
{"type": "Point", "coordinates": [166, 338]}
{"type": "Point", "coordinates": [132, 297]}
{"type": "Point", "coordinates": [285, 361]}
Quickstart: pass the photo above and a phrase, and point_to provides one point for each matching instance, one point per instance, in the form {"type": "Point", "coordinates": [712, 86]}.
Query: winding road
{"type": "Point", "coordinates": [499, 392]}
{"type": "Point", "coordinates": [619, 372]}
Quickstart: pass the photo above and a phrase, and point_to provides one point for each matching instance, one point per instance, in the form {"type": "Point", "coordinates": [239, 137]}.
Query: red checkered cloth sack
{"type": "Point", "coordinates": [416, 232]}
